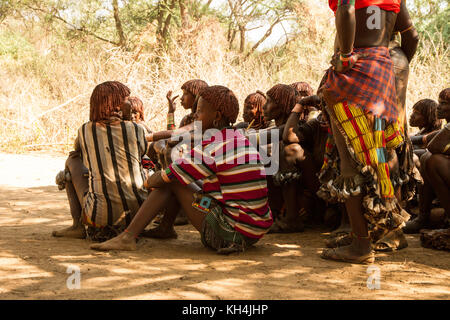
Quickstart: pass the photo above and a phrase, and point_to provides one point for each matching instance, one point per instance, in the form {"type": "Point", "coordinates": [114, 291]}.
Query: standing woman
{"type": "Point", "coordinates": [111, 149]}
{"type": "Point", "coordinates": [365, 122]}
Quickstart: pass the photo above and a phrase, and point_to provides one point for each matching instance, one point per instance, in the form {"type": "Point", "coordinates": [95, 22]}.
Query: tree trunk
{"type": "Point", "coordinates": [120, 33]}
{"type": "Point", "coordinates": [184, 15]}
{"type": "Point", "coordinates": [242, 36]}
{"type": "Point", "coordinates": [165, 30]}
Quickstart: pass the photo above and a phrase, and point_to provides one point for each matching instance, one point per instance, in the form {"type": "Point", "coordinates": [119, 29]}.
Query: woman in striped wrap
{"type": "Point", "coordinates": [108, 196]}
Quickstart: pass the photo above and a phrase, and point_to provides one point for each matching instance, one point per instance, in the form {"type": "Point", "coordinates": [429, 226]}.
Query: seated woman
{"type": "Point", "coordinates": [161, 150]}
{"type": "Point", "coordinates": [284, 185]}
{"type": "Point", "coordinates": [232, 212]}
{"type": "Point", "coordinates": [253, 113]}
{"type": "Point", "coordinates": [111, 149]}
{"type": "Point", "coordinates": [304, 89]}
{"type": "Point", "coordinates": [424, 117]}
{"type": "Point", "coordinates": [435, 170]}
{"type": "Point", "coordinates": [305, 143]}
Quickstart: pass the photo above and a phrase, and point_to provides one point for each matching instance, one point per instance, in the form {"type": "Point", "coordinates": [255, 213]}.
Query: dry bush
{"type": "Point", "coordinates": [45, 89]}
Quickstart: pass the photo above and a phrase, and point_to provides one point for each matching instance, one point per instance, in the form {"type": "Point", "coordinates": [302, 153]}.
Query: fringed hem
{"type": "Point", "coordinates": [382, 214]}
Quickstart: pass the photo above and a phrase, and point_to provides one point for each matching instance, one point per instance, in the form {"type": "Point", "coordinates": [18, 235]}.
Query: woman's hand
{"type": "Point", "coordinates": [343, 66]}
{"type": "Point", "coordinates": [172, 104]}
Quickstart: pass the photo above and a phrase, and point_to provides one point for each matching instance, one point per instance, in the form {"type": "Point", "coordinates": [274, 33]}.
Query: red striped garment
{"type": "Point", "coordinates": [233, 174]}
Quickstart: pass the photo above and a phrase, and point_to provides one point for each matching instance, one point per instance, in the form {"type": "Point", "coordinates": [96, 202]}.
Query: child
{"type": "Point", "coordinates": [111, 149]}
{"type": "Point", "coordinates": [232, 213]}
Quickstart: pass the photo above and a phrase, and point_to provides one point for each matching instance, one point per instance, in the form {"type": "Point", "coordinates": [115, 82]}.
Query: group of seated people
{"type": "Point", "coordinates": [121, 176]}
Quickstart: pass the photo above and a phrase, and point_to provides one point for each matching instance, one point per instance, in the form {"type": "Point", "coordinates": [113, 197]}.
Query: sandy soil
{"type": "Point", "coordinates": [33, 264]}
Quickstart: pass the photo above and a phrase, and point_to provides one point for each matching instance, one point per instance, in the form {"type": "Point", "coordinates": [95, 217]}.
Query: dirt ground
{"type": "Point", "coordinates": [34, 265]}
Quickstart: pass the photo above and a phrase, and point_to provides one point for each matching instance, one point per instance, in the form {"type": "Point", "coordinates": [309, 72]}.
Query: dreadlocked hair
{"type": "Point", "coordinates": [106, 100]}
{"type": "Point", "coordinates": [284, 96]}
{"type": "Point", "coordinates": [445, 95]}
{"type": "Point", "coordinates": [303, 89]}
{"type": "Point", "coordinates": [224, 100]}
{"type": "Point", "coordinates": [194, 87]}
{"type": "Point", "coordinates": [427, 108]}
{"type": "Point", "coordinates": [137, 107]}
{"type": "Point", "coordinates": [257, 100]}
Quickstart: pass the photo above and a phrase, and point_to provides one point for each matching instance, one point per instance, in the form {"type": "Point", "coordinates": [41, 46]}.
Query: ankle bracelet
{"type": "Point", "coordinates": [132, 234]}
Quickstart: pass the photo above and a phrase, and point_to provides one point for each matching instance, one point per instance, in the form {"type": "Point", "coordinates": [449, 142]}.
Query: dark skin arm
{"type": "Point", "coordinates": [410, 38]}
{"type": "Point", "coordinates": [346, 27]}
{"type": "Point", "coordinates": [439, 142]}
{"type": "Point", "coordinates": [166, 134]}
{"type": "Point", "coordinates": [289, 133]}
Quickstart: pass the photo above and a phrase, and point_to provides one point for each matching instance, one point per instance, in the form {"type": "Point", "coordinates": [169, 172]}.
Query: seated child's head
{"type": "Point", "coordinates": [281, 99]}
{"type": "Point", "coordinates": [191, 89]}
{"type": "Point", "coordinates": [443, 109]}
{"type": "Point", "coordinates": [424, 115]}
{"type": "Point", "coordinates": [107, 99]}
{"type": "Point", "coordinates": [303, 89]}
{"type": "Point", "coordinates": [253, 107]}
{"type": "Point", "coordinates": [137, 109]}
{"type": "Point", "coordinates": [217, 107]}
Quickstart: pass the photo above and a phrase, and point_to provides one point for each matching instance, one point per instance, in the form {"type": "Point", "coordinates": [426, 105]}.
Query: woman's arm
{"type": "Point", "coordinates": [410, 37]}
{"type": "Point", "coordinates": [346, 26]}
{"type": "Point", "coordinates": [440, 142]}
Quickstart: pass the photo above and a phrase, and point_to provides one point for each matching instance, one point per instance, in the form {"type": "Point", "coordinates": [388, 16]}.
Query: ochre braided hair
{"type": "Point", "coordinates": [106, 100]}
{"type": "Point", "coordinates": [194, 87]}
{"type": "Point", "coordinates": [427, 108]}
{"type": "Point", "coordinates": [257, 100]}
{"type": "Point", "coordinates": [137, 107]}
{"type": "Point", "coordinates": [284, 96]}
{"type": "Point", "coordinates": [445, 95]}
{"type": "Point", "coordinates": [224, 100]}
{"type": "Point", "coordinates": [303, 89]}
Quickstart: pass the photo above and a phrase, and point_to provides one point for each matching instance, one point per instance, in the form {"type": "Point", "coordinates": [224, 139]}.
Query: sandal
{"type": "Point", "coordinates": [342, 239]}
{"type": "Point", "coordinates": [393, 241]}
{"type": "Point", "coordinates": [336, 255]}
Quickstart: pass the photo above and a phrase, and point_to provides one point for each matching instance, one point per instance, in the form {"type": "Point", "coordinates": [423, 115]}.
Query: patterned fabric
{"type": "Point", "coordinates": [233, 175]}
{"type": "Point", "coordinates": [112, 151]}
{"type": "Point", "coordinates": [388, 5]}
{"type": "Point", "coordinates": [370, 84]}
{"type": "Point", "coordinates": [217, 233]}
{"type": "Point", "coordinates": [367, 142]}
{"type": "Point", "coordinates": [370, 142]}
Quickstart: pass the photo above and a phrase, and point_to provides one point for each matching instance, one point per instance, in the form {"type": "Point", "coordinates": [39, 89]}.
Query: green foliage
{"type": "Point", "coordinates": [14, 46]}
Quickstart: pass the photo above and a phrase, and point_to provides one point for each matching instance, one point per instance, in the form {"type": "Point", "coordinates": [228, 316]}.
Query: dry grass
{"type": "Point", "coordinates": [45, 85]}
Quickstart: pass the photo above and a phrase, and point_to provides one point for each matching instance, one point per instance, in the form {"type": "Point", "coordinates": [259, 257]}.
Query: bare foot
{"type": "Point", "coordinates": [123, 241]}
{"type": "Point", "coordinates": [160, 233]}
{"type": "Point", "coordinates": [71, 232]}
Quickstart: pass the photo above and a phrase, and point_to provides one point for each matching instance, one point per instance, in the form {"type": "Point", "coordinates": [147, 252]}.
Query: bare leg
{"type": "Point", "coordinates": [165, 229]}
{"type": "Point", "coordinates": [438, 172]}
{"type": "Point", "coordinates": [75, 190]}
{"type": "Point", "coordinates": [360, 248]}
{"type": "Point", "coordinates": [157, 199]}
